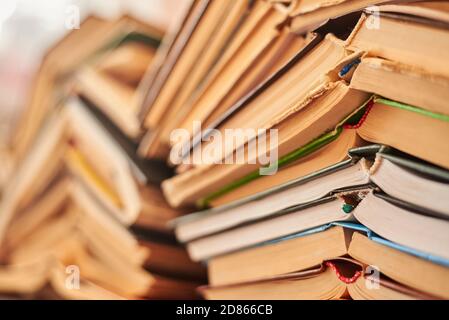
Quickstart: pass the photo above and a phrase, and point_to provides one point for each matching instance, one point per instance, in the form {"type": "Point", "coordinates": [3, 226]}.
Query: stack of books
{"type": "Point", "coordinates": [296, 148]}
{"type": "Point", "coordinates": [82, 217]}
{"type": "Point", "coordinates": [339, 111]}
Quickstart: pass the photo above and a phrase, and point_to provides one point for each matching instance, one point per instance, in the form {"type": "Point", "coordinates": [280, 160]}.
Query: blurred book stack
{"type": "Point", "coordinates": [355, 203]}
{"type": "Point", "coordinates": [307, 140]}
{"type": "Point", "coordinates": [82, 217]}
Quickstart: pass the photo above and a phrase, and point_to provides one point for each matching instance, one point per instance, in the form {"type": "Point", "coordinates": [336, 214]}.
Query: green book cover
{"type": "Point", "coordinates": [314, 145]}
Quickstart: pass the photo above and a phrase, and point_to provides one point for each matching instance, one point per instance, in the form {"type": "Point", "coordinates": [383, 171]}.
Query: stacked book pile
{"type": "Point", "coordinates": [340, 113]}
{"type": "Point", "coordinates": [307, 140]}
{"type": "Point", "coordinates": [82, 217]}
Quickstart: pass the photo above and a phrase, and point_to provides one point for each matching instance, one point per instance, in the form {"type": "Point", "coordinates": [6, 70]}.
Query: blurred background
{"type": "Point", "coordinates": [29, 27]}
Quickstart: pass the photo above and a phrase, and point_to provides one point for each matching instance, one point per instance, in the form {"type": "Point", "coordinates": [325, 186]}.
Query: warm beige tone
{"type": "Point", "coordinates": [419, 135]}
{"type": "Point", "coordinates": [407, 84]}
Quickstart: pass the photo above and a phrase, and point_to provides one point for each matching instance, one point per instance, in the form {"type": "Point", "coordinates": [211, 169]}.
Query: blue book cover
{"type": "Point", "coordinates": [371, 235]}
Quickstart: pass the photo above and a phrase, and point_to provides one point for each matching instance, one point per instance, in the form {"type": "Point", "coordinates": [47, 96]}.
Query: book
{"type": "Point", "coordinates": [337, 279]}
{"type": "Point", "coordinates": [168, 55]}
{"type": "Point", "coordinates": [247, 56]}
{"type": "Point", "coordinates": [61, 61]}
{"type": "Point", "coordinates": [379, 111]}
{"type": "Point", "coordinates": [399, 81]}
{"type": "Point", "coordinates": [73, 137]}
{"type": "Point", "coordinates": [311, 187]}
{"type": "Point", "coordinates": [72, 201]}
{"type": "Point", "coordinates": [399, 225]}
{"type": "Point", "coordinates": [429, 181]}
{"type": "Point", "coordinates": [268, 149]}
{"type": "Point", "coordinates": [308, 15]}
{"type": "Point", "coordinates": [227, 185]}
{"type": "Point", "coordinates": [278, 224]}
{"type": "Point", "coordinates": [314, 248]}
{"type": "Point", "coordinates": [388, 169]}
{"type": "Point", "coordinates": [302, 102]}
{"type": "Point", "coordinates": [411, 129]}
{"type": "Point", "coordinates": [403, 38]}
{"type": "Point", "coordinates": [322, 244]}
{"type": "Point", "coordinates": [114, 85]}
{"type": "Point", "coordinates": [69, 227]}
{"type": "Point", "coordinates": [327, 155]}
